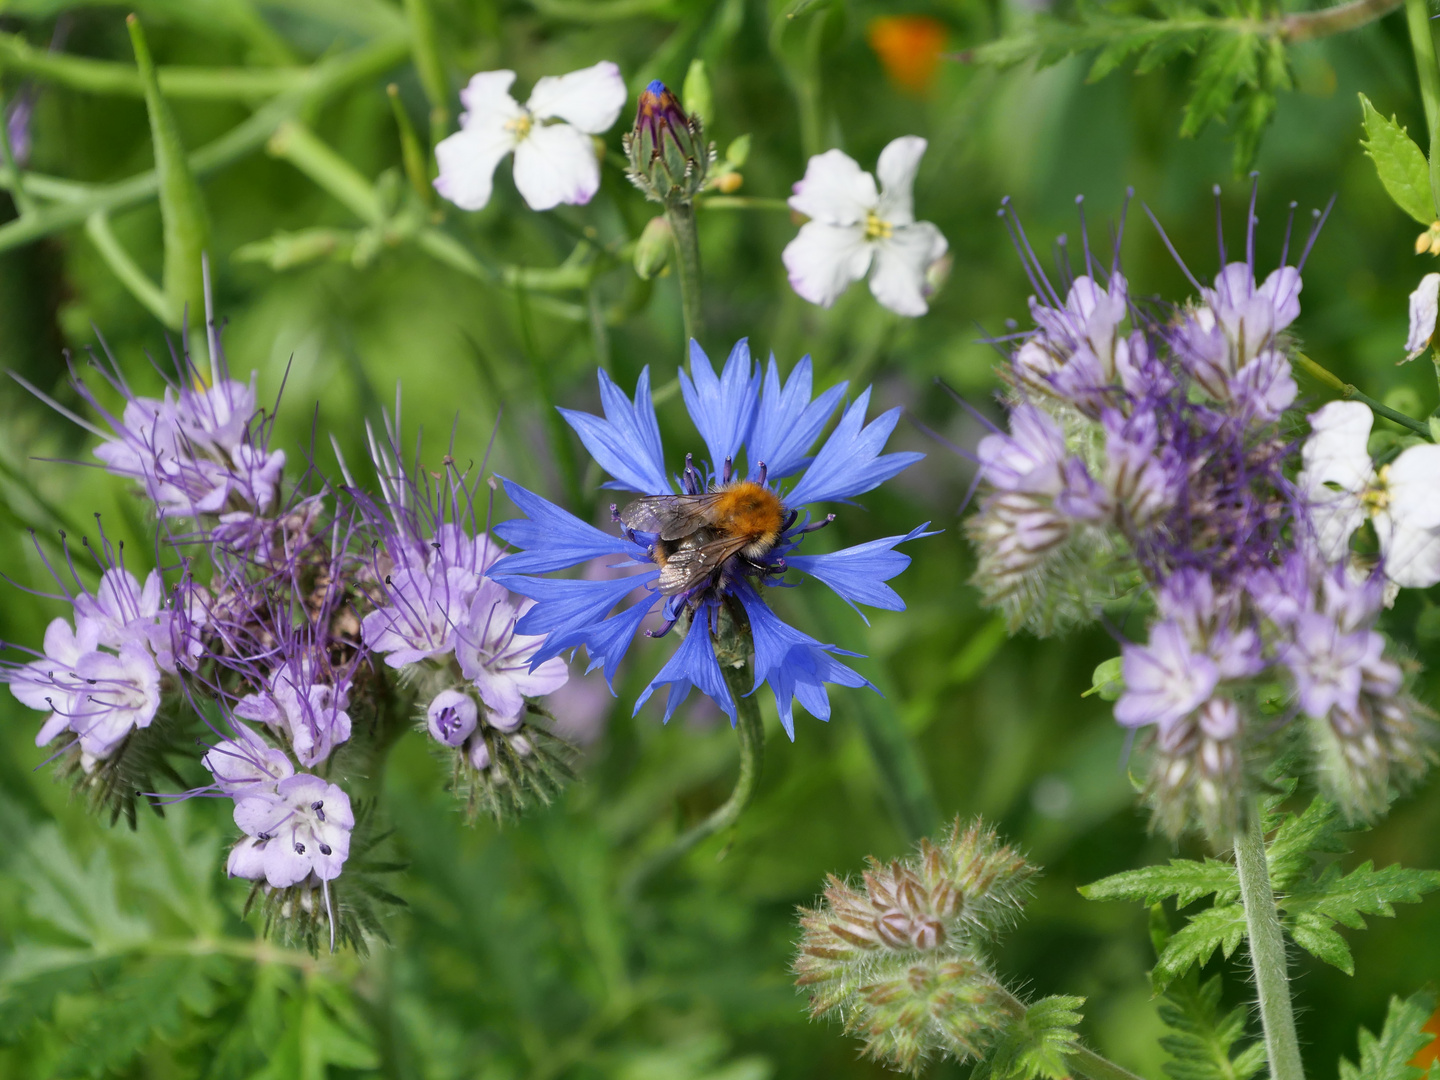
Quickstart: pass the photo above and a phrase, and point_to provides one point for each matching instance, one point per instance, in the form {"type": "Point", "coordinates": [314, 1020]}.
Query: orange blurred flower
{"type": "Point", "coordinates": [909, 47]}
{"type": "Point", "coordinates": [1428, 1056]}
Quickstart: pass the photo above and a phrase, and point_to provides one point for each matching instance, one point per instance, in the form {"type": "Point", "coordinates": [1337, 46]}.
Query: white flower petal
{"type": "Point", "coordinates": [590, 99]}
{"type": "Point", "coordinates": [1424, 305]}
{"type": "Point", "coordinates": [467, 163]}
{"type": "Point", "coordinates": [556, 164]}
{"type": "Point", "coordinates": [487, 99]}
{"type": "Point", "coordinates": [900, 264]}
{"type": "Point", "coordinates": [1413, 483]}
{"type": "Point", "coordinates": [1412, 554]}
{"type": "Point", "coordinates": [1335, 452]}
{"type": "Point", "coordinates": [898, 164]}
{"type": "Point", "coordinates": [835, 190]}
{"type": "Point", "coordinates": [823, 260]}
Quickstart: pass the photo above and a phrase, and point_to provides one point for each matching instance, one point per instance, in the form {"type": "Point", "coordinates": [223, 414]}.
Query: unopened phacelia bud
{"type": "Point", "coordinates": [669, 157]}
{"type": "Point", "coordinates": [897, 956]}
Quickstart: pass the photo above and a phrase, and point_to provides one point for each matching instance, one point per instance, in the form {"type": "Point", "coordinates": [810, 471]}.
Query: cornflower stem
{"type": "Point", "coordinates": [1422, 41]}
{"type": "Point", "coordinates": [1330, 379]}
{"type": "Point", "coordinates": [751, 732]}
{"type": "Point", "coordinates": [1267, 952]}
{"type": "Point", "coordinates": [1082, 1062]}
{"type": "Point", "coordinates": [681, 216]}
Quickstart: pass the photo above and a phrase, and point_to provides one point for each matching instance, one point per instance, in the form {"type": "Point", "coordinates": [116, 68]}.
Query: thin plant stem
{"type": "Point", "coordinates": [1309, 25]}
{"type": "Point", "coordinates": [1267, 952]}
{"type": "Point", "coordinates": [1330, 379]}
{"type": "Point", "coordinates": [687, 265]}
{"type": "Point", "coordinates": [1422, 41]}
{"type": "Point", "coordinates": [741, 202]}
{"type": "Point", "coordinates": [1082, 1062]}
{"type": "Point", "coordinates": [751, 732]}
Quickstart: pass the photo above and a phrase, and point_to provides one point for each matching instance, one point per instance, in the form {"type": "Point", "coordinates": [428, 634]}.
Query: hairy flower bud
{"type": "Point", "coordinates": [896, 957]}
{"type": "Point", "coordinates": [669, 158]}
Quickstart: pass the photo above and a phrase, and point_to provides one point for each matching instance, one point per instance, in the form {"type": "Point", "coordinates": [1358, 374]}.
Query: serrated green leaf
{"type": "Point", "coordinates": [1037, 1044]}
{"type": "Point", "coordinates": [1226, 63]}
{"type": "Point", "coordinates": [1401, 164]}
{"type": "Point", "coordinates": [1201, 1046]}
{"type": "Point", "coordinates": [1316, 935]}
{"type": "Point", "coordinates": [1389, 1056]}
{"type": "Point", "coordinates": [1299, 838]}
{"type": "Point", "coordinates": [1221, 927]}
{"type": "Point", "coordinates": [1183, 879]}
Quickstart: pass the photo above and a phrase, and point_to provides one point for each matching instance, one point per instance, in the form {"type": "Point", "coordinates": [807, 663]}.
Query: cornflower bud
{"type": "Point", "coordinates": [669, 158]}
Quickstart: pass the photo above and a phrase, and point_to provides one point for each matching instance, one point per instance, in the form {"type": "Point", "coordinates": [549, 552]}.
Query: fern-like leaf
{"type": "Point", "coordinates": [1388, 1057]}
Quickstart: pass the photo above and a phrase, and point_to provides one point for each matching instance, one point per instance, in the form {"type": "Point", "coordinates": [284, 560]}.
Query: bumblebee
{"type": "Point", "coordinates": [696, 534]}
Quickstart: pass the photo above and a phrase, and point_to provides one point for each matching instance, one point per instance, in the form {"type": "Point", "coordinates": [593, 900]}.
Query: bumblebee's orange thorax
{"type": "Point", "coordinates": [749, 509]}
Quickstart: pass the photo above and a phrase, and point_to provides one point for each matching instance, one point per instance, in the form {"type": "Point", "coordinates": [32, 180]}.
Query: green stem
{"type": "Point", "coordinates": [1309, 25]}
{"type": "Point", "coordinates": [740, 202]}
{"type": "Point", "coordinates": [24, 203]}
{"type": "Point", "coordinates": [124, 267]}
{"type": "Point", "coordinates": [1422, 41]}
{"type": "Point", "coordinates": [903, 780]}
{"type": "Point", "coordinates": [751, 732]}
{"type": "Point", "coordinates": [1267, 952]}
{"type": "Point", "coordinates": [323, 82]}
{"type": "Point", "coordinates": [687, 265]}
{"type": "Point", "coordinates": [1330, 379]}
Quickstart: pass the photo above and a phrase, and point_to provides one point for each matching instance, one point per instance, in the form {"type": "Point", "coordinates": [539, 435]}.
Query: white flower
{"type": "Point", "coordinates": [853, 226]}
{"type": "Point", "coordinates": [1343, 488]}
{"type": "Point", "coordinates": [554, 163]}
{"type": "Point", "coordinates": [301, 827]}
{"type": "Point", "coordinates": [1424, 306]}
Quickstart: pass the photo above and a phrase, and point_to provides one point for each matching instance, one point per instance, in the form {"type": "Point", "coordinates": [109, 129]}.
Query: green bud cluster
{"type": "Point", "coordinates": [896, 957]}
{"type": "Point", "coordinates": [669, 157]}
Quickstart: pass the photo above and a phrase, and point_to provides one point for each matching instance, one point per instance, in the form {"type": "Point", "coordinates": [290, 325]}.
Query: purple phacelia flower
{"type": "Point", "coordinates": [300, 828]}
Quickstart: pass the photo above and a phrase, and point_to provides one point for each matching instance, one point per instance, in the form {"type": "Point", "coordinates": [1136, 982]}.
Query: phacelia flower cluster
{"type": "Point", "coordinates": [707, 542]}
{"type": "Point", "coordinates": [299, 628]}
{"type": "Point", "coordinates": [1145, 462]}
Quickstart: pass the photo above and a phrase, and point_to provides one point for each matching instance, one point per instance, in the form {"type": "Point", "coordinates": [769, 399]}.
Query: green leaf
{"type": "Point", "coordinates": [1220, 927]}
{"type": "Point", "coordinates": [1202, 1043]}
{"type": "Point", "coordinates": [1313, 908]}
{"type": "Point", "coordinates": [1299, 838]}
{"type": "Point", "coordinates": [1400, 163]}
{"type": "Point", "coordinates": [1388, 1057]}
{"type": "Point", "coordinates": [1037, 1044]}
{"type": "Point", "coordinates": [1183, 879]}
{"type": "Point", "coordinates": [1225, 64]}
{"type": "Point", "coordinates": [182, 209]}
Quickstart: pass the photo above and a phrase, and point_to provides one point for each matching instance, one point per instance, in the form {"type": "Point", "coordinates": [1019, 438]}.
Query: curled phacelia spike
{"type": "Point", "coordinates": [897, 957]}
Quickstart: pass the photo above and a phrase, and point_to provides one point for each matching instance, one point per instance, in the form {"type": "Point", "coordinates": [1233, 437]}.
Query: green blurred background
{"type": "Point", "coordinates": [513, 959]}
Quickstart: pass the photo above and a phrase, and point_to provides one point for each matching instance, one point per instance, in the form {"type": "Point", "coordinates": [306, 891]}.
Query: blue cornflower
{"type": "Point", "coordinates": [713, 537]}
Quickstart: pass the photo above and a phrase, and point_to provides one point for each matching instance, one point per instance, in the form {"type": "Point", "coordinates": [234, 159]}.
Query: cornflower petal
{"type": "Point", "coordinates": [626, 444]}
{"type": "Point", "coordinates": [787, 422]}
{"type": "Point", "coordinates": [723, 409]}
{"type": "Point", "coordinates": [608, 641]}
{"type": "Point", "coordinates": [566, 606]}
{"type": "Point", "coordinates": [858, 574]}
{"type": "Point", "coordinates": [558, 538]}
{"type": "Point", "coordinates": [794, 664]}
{"type": "Point", "coordinates": [850, 462]}
{"type": "Point", "coordinates": [693, 664]}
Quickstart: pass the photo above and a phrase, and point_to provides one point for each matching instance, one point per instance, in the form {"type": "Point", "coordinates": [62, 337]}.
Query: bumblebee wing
{"type": "Point", "coordinates": [687, 567]}
{"type": "Point", "coordinates": [672, 517]}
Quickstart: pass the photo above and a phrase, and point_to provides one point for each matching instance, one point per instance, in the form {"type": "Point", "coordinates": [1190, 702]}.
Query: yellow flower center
{"type": "Point", "coordinates": [875, 229]}
{"type": "Point", "coordinates": [1377, 497]}
{"type": "Point", "coordinates": [521, 125]}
